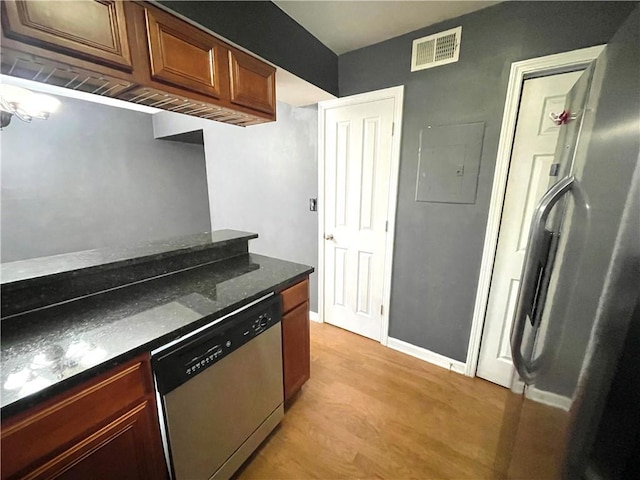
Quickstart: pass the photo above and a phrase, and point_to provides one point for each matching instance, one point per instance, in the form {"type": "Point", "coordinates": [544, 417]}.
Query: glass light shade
{"type": "Point", "coordinates": [39, 106]}
{"type": "Point", "coordinates": [14, 95]}
{"type": "Point", "coordinates": [26, 103]}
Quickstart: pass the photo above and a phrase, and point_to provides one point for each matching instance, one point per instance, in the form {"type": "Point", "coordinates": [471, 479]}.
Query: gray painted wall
{"type": "Point", "coordinates": [260, 180]}
{"type": "Point", "coordinates": [93, 176]}
{"type": "Point", "coordinates": [438, 247]}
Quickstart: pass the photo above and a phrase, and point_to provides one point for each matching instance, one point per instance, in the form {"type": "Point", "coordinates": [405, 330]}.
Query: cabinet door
{"type": "Point", "coordinates": [252, 82]}
{"type": "Point", "coordinates": [294, 296]}
{"type": "Point", "coordinates": [295, 346]}
{"type": "Point", "coordinates": [183, 55]}
{"type": "Point", "coordinates": [112, 416]}
{"type": "Point", "coordinates": [90, 29]}
{"type": "Point", "coordinates": [123, 449]}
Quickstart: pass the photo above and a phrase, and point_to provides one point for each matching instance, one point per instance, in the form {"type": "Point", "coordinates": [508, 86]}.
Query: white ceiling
{"type": "Point", "coordinates": [297, 92]}
{"type": "Point", "coordinates": [348, 25]}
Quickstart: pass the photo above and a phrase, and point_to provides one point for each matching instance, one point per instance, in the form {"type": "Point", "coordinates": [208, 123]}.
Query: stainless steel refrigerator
{"type": "Point", "coordinates": [574, 407]}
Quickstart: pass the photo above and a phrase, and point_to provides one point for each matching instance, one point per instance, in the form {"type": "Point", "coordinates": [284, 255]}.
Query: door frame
{"type": "Point", "coordinates": [396, 93]}
{"type": "Point", "coordinates": [520, 71]}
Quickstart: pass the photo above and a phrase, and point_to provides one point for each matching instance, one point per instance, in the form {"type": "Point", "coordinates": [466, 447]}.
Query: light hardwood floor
{"type": "Point", "coordinates": [371, 412]}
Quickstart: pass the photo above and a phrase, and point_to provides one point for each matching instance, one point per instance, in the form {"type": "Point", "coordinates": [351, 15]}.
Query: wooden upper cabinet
{"type": "Point", "coordinates": [136, 52]}
{"type": "Point", "coordinates": [94, 30]}
{"type": "Point", "coordinates": [183, 55]}
{"type": "Point", "coordinates": [252, 82]}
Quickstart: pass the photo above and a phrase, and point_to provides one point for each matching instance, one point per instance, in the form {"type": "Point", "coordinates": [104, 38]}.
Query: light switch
{"type": "Point", "coordinates": [459, 170]}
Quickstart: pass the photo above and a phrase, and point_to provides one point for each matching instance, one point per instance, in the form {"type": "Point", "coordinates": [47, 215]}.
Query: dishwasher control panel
{"type": "Point", "coordinates": [178, 364]}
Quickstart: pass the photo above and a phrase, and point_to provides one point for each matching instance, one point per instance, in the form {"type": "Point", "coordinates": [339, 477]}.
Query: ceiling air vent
{"type": "Point", "coordinates": [435, 50]}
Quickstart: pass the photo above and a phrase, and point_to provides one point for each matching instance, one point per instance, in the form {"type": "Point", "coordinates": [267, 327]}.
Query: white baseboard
{"type": "Point", "coordinates": [427, 355]}
{"type": "Point", "coordinates": [549, 398]}
{"type": "Point", "coordinates": [314, 317]}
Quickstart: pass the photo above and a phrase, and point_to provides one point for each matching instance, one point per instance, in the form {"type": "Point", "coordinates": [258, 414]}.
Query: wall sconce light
{"type": "Point", "coordinates": [24, 104]}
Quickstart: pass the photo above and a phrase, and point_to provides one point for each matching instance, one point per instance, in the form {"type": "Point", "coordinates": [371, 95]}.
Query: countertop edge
{"type": "Point", "coordinates": [56, 276]}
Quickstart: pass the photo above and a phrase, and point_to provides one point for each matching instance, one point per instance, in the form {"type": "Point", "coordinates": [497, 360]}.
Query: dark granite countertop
{"type": "Point", "coordinates": [90, 335]}
{"type": "Point", "coordinates": [67, 264]}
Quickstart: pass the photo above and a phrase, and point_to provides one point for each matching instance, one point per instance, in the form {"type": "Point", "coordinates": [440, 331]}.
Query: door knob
{"type": "Point", "coordinates": [328, 236]}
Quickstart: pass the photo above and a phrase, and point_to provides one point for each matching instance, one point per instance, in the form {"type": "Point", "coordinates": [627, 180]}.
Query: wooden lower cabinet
{"type": "Point", "coordinates": [106, 428]}
{"type": "Point", "coordinates": [115, 451]}
{"type": "Point", "coordinates": [296, 355]}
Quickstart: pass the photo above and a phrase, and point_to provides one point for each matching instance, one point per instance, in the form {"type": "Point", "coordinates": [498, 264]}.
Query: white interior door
{"type": "Point", "coordinates": [533, 151]}
{"type": "Point", "coordinates": [357, 156]}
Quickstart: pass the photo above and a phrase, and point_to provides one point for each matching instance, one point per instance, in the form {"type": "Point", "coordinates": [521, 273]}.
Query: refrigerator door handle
{"type": "Point", "coordinates": [537, 249]}
{"type": "Point", "coordinates": [542, 277]}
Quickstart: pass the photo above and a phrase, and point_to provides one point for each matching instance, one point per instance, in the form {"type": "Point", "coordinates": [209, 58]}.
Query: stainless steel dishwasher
{"type": "Point", "coordinates": [221, 391]}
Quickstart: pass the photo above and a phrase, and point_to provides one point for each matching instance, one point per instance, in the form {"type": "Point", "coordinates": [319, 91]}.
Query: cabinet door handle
{"type": "Point", "coordinates": [328, 236]}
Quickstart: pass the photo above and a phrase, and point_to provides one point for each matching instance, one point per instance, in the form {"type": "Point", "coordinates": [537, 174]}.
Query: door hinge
{"type": "Point", "coordinates": [381, 309]}
{"type": "Point", "coordinates": [393, 128]}
{"type": "Point", "coordinates": [386, 226]}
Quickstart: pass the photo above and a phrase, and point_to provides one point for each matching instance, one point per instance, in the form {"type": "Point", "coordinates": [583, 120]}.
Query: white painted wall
{"type": "Point", "coordinates": [260, 179]}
